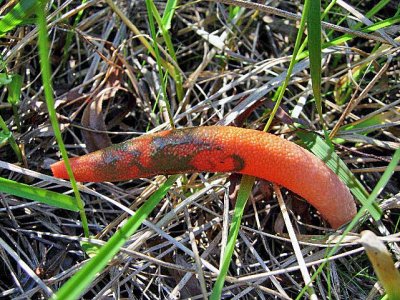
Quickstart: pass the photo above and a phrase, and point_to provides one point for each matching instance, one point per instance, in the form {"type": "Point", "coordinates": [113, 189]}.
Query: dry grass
{"type": "Point", "coordinates": [107, 90]}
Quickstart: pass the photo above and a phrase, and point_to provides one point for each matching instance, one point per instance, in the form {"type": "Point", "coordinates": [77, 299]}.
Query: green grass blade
{"type": "Point", "coordinates": [347, 37]}
{"type": "Point", "coordinates": [371, 199]}
{"type": "Point", "coordinates": [3, 138]}
{"type": "Point", "coordinates": [168, 41]}
{"type": "Point", "coordinates": [324, 14]}
{"type": "Point", "coordinates": [5, 79]}
{"type": "Point", "coordinates": [345, 85]}
{"type": "Point", "coordinates": [14, 94]}
{"type": "Point", "coordinates": [246, 186]}
{"type": "Point", "coordinates": [322, 150]}
{"type": "Point", "coordinates": [150, 14]}
{"type": "Point", "coordinates": [13, 83]}
{"type": "Point", "coordinates": [169, 13]}
{"type": "Point", "coordinates": [293, 60]}
{"type": "Point", "coordinates": [14, 89]}
{"type": "Point", "coordinates": [385, 178]}
{"type": "Point", "coordinates": [70, 34]}
{"type": "Point", "coordinates": [314, 47]}
{"type": "Point", "coordinates": [48, 92]}
{"type": "Point", "coordinates": [77, 284]}
{"type": "Point", "coordinates": [16, 15]}
{"type": "Point", "coordinates": [233, 11]}
{"type": "Point", "coordinates": [141, 37]}
{"type": "Point", "coordinates": [10, 138]}
{"type": "Point", "coordinates": [376, 8]}
{"type": "Point", "coordinates": [365, 125]}
{"type": "Point", "coordinates": [37, 194]}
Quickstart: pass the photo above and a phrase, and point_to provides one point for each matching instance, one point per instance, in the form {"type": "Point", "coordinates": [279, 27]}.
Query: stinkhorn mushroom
{"type": "Point", "coordinates": [220, 149]}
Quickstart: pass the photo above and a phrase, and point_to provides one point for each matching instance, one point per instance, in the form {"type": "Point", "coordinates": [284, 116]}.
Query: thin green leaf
{"type": "Point", "coordinates": [293, 61]}
{"type": "Point", "coordinates": [16, 16]}
{"type": "Point", "coordinates": [171, 51]}
{"type": "Point", "coordinates": [345, 86]}
{"type": "Point", "coordinates": [233, 11]}
{"type": "Point", "coordinates": [70, 34]}
{"type": "Point", "coordinates": [347, 37]}
{"type": "Point", "coordinates": [10, 139]}
{"type": "Point", "coordinates": [14, 94]}
{"type": "Point", "coordinates": [385, 178]}
{"type": "Point", "coordinates": [325, 13]}
{"type": "Point", "coordinates": [37, 194]}
{"type": "Point", "coordinates": [151, 12]}
{"type": "Point", "coordinates": [321, 149]}
{"type": "Point", "coordinates": [14, 89]}
{"type": "Point", "coordinates": [3, 138]}
{"type": "Point", "coordinates": [5, 79]}
{"type": "Point", "coordinates": [314, 47]}
{"type": "Point", "coordinates": [90, 249]}
{"type": "Point", "coordinates": [142, 38]}
{"type": "Point", "coordinates": [78, 283]}
{"type": "Point", "coordinates": [376, 8]}
{"type": "Point", "coordinates": [365, 125]}
{"type": "Point", "coordinates": [48, 93]}
{"type": "Point", "coordinates": [169, 13]}
{"type": "Point", "coordinates": [246, 186]}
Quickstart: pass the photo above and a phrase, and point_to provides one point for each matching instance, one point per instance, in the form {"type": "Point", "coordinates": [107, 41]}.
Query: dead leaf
{"type": "Point", "coordinates": [382, 263]}
{"type": "Point", "coordinates": [93, 117]}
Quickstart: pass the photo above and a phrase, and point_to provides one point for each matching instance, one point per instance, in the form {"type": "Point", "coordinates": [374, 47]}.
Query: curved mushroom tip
{"type": "Point", "coordinates": [59, 170]}
{"type": "Point", "coordinates": [343, 221]}
{"type": "Point", "coordinates": [343, 216]}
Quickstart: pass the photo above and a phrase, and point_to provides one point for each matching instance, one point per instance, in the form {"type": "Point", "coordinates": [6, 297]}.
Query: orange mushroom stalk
{"type": "Point", "coordinates": [220, 149]}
